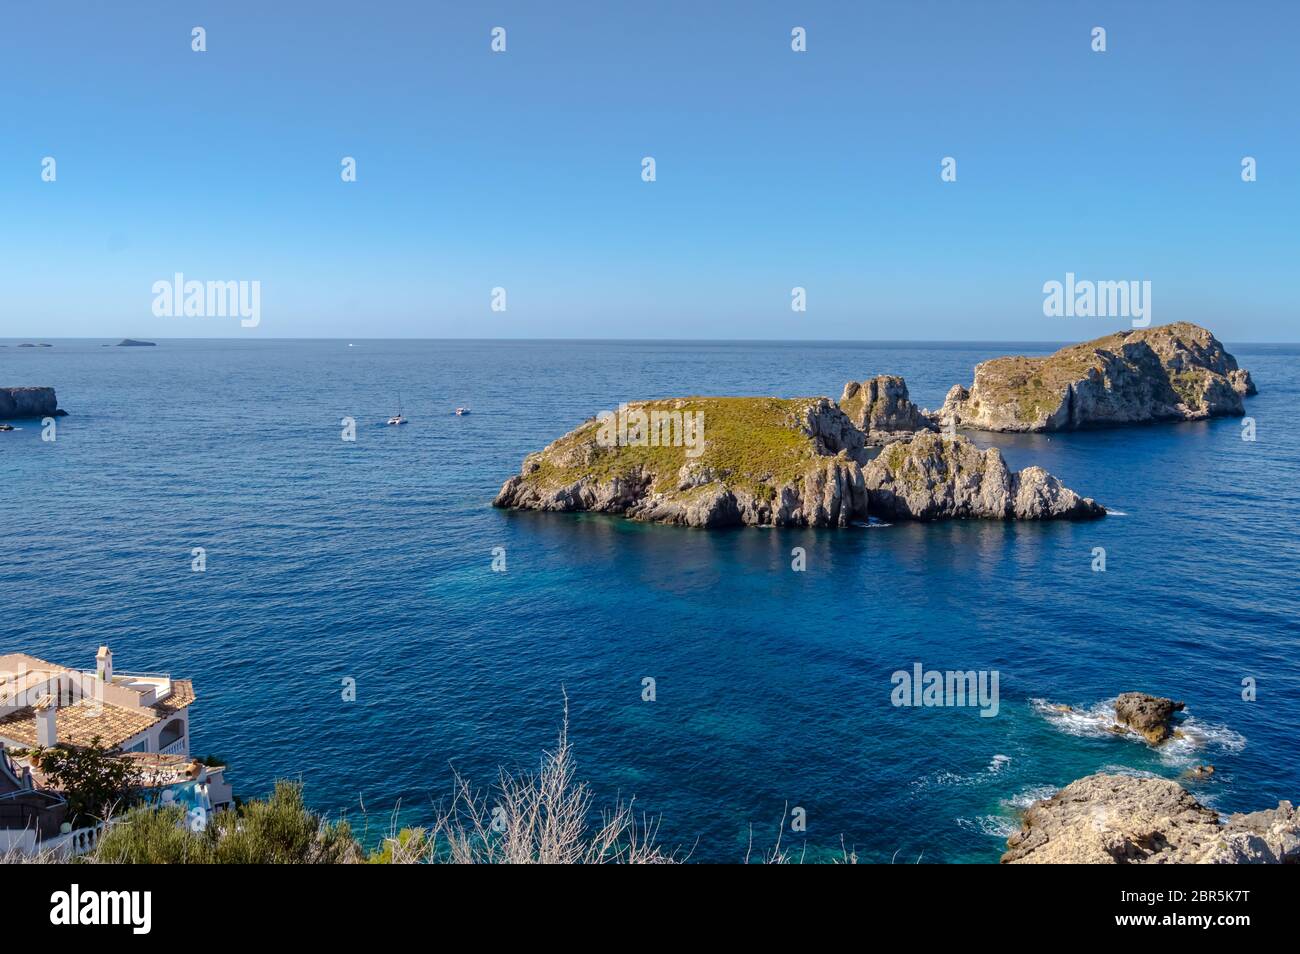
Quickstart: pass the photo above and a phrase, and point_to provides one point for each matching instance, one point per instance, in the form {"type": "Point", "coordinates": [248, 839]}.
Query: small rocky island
{"type": "Point", "coordinates": [1122, 819]}
{"type": "Point", "coordinates": [133, 343]}
{"type": "Point", "coordinates": [1149, 716]}
{"type": "Point", "coordinates": [1176, 372]}
{"type": "Point", "coordinates": [801, 462]}
{"type": "Point", "coordinates": [29, 402]}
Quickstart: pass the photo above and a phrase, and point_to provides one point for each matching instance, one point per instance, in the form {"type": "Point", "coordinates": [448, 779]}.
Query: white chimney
{"type": "Point", "coordinates": [104, 664]}
{"type": "Point", "coordinates": [47, 725]}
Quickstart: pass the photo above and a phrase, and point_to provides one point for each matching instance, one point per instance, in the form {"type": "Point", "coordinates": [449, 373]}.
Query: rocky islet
{"type": "Point", "coordinates": [1176, 372]}
{"type": "Point", "coordinates": [29, 402]}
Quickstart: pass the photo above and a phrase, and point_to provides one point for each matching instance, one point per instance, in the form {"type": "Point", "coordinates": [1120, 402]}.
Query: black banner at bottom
{"type": "Point", "coordinates": [337, 903]}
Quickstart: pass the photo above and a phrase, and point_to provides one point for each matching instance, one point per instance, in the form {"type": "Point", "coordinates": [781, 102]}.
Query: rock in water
{"type": "Point", "coordinates": [133, 343]}
{"type": "Point", "coordinates": [1149, 715]}
{"type": "Point", "coordinates": [882, 409]}
{"type": "Point", "coordinates": [1119, 819]}
{"type": "Point", "coordinates": [29, 402]}
{"type": "Point", "coordinates": [1177, 372]}
{"type": "Point", "coordinates": [772, 462]}
{"type": "Point", "coordinates": [932, 477]}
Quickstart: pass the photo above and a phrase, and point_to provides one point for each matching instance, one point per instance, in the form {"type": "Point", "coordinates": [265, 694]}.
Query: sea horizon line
{"type": "Point", "coordinates": [251, 339]}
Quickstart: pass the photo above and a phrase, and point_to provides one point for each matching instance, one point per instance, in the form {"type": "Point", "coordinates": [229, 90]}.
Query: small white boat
{"type": "Point", "coordinates": [462, 411]}
{"type": "Point", "coordinates": [397, 418]}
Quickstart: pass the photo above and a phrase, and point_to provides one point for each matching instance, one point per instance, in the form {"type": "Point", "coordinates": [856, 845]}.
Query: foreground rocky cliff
{"type": "Point", "coordinates": [1177, 372]}
{"type": "Point", "coordinates": [714, 462]}
{"type": "Point", "coordinates": [1119, 819]}
{"type": "Point", "coordinates": [28, 402]}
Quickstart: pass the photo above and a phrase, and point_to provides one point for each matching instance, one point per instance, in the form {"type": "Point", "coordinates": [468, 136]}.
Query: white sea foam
{"type": "Point", "coordinates": [940, 780]}
{"type": "Point", "coordinates": [1006, 823]}
{"type": "Point", "coordinates": [1094, 722]}
{"type": "Point", "coordinates": [947, 779]}
{"type": "Point", "coordinates": [995, 826]}
{"type": "Point", "coordinates": [1198, 737]}
{"type": "Point", "coordinates": [1035, 793]}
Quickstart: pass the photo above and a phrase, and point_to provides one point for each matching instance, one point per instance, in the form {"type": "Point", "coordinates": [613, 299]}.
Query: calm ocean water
{"type": "Point", "coordinates": [371, 560]}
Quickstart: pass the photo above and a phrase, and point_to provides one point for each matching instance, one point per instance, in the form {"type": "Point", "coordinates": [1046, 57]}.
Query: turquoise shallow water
{"type": "Point", "coordinates": [371, 560]}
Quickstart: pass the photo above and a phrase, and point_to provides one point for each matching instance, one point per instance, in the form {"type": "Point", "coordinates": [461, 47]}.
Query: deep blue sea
{"type": "Point", "coordinates": [371, 560]}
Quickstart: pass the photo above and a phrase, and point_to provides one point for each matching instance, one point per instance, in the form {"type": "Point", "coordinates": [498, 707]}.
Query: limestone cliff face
{"type": "Point", "coordinates": [28, 402]}
{"type": "Point", "coordinates": [932, 477]}
{"type": "Point", "coordinates": [772, 462]}
{"type": "Point", "coordinates": [1177, 372]}
{"type": "Point", "coordinates": [1119, 819]}
{"type": "Point", "coordinates": [882, 410]}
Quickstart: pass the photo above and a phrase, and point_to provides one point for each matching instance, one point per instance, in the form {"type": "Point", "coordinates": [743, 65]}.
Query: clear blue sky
{"type": "Point", "coordinates": [522, 170]}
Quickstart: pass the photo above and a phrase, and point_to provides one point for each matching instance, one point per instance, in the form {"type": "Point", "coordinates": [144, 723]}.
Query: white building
{"type": "Point", "coordinates": [144, 715]}
{"type": "Point", "coordinates": [44, 704]}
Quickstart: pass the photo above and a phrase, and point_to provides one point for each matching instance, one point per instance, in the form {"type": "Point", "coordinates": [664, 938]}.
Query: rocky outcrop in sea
{"type": "Point", "coordinates": [29, 402]}
{"type": "Point", "coordinates": [779, 462]}
{"type": "Point", "coordinates": [1123, 819]}
{"type": "Point", "coordinates": [1176, 372]}
{"type": "Point", "coordinates": [1149, 716]}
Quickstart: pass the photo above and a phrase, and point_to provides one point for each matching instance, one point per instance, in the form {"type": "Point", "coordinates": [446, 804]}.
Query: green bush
{"type": "Point", "coordinates": [410, 844]}
{"type": "Point", "coordinates": [148, 836]}
{"type": "Point", "coordinates": [276, 830]}
{"type": "Point", "coordinates": [281, 830]}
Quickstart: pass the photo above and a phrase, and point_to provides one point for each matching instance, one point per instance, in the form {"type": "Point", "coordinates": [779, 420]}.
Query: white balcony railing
{"type": "Point", "coordinates": [176, 748]}
{"type": "Point", "coordinates": [74, 843]}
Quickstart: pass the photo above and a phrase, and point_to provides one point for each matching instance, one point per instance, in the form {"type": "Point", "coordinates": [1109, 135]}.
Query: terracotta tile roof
{"type": "Point", "coordinates": [80, 723]}
{"type": "Point", "coordinates": [182, 695]}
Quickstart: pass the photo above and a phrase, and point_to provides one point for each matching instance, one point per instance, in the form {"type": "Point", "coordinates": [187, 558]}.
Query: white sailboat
{"type": "Point", "coordinates": [397, 418]}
